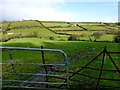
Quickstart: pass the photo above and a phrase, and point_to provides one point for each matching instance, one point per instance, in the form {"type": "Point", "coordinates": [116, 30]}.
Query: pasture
{"type": "Point", "coordinates": [60, 30]}
{"type": "Point", "coordinates": [79, 52]}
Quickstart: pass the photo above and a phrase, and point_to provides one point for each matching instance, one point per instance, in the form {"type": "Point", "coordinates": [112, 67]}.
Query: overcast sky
{"type": "Point", "coordinates": [59, 10]}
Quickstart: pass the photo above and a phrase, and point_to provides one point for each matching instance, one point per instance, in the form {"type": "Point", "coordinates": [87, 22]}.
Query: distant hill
{"type": "Point", "coordinates": [58, 30]}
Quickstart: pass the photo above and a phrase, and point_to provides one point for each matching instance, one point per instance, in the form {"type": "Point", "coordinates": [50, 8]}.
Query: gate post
{"type": "Point", "coordinates": [45, 68]}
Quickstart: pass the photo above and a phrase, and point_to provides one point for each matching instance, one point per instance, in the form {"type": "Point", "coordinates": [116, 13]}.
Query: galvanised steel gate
{"type": "Point", "coordinates": [33, 74]}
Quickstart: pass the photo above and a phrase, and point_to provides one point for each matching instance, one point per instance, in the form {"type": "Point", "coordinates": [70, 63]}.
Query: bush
{"type": "Point", "coordinates": [117, 39]}
{"type": "Point", "coordinates": [35, 34]}
{"type": "Point", "coordinates": [117, 33]}
{"type": "Point", "coordinates": [62, 39]}
{"type": "Point", "coordinates": [51, 38]}
{"type": "Point", "coordinates": [73, 37]}
{"type": "Point", "coordinates": [84, 35]}
{"type": "Point", "coordinates": [4, 38]}
{"type": "Point", "coordinates": [97, 35]}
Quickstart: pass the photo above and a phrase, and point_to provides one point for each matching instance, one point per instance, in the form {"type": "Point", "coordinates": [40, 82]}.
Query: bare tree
{"type": "Point", "coordinates": [97, 35]}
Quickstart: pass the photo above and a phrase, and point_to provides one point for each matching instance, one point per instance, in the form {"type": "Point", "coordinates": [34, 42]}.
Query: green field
{"type": "Point", "coordinates": [52, 24]}
{"type": "Point", "coordinates": [24, 23]}
{"type": "Point", "coordinates": [95, 27]}
{"type": "Point", "coordinates": [67, 28]}
{"type": "Point", "coordinates": [50, 28]}
{"type": "Point", "coordinates": [80, 52]}
{"type": "Point", "coordinates": [71, 48]}
{"type": "Point", "coordinates": [39, 31]}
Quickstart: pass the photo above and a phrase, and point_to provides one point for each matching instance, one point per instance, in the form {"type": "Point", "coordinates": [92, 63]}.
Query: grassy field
{"type": "Point", "coordinates": [94, 27]}
{"type": "Point", "coordinates": [52, 24]}
{"type": "Point", "coordinates": [67, 28]}
{"type": "Point", "coordinates": [83, 30]}
{"type": "Point", "coordinates": [39, 31]}
{"type": "Point", "coordinates": [79, 52]}
{"type": "Point", "coordinates": [28, 23]}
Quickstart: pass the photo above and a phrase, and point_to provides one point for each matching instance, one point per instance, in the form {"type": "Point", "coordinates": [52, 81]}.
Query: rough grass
{"type": "Point", "coordinates": [63, 45]}
{"type": "Point", "coordinates": [52, 24]}
{"type": "Point", "coordinates": [24, 23]}
{"type": "Point", "coordinates": [78, 55]}
{"type": "Point", "coordinates": [62, 28]}
{"type": "Point", "coordinates": [67, 28]}
{"type": "Point", "coordinates": [94, 27]}
{"type": "Point", "coordinates": [39, 31]}
{"type": "Point", "coordinates": [4, 25]}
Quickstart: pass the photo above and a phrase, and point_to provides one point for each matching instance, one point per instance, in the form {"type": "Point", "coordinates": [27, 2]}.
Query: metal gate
{"type": "Point", "coordinates": [33, 74]}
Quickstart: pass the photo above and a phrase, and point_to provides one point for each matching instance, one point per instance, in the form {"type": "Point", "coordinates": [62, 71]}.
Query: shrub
{"type": "Point", "coordinates": [117, 39]}
{"type": "Point", "coordinates": [117, 33]}
{"type": "Point", "coordinates": [35, 34]}
{"type": "Point", "coordinates": [4, 38]}
{"type": "Point", "coordinates": [73, 37]}
{"type": "Point", "coordinates": [51, 38]}
{"type": "Point", "coordinates": [59, 36]}
{"type": "Point", "coordinates": [62, 39]}
{"type": "Point", "coordinates": [4, 32]}
{"type": "Point", "coordinates": [97, 35]}
{"type": "Point", "coordinates": [84, 35]}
